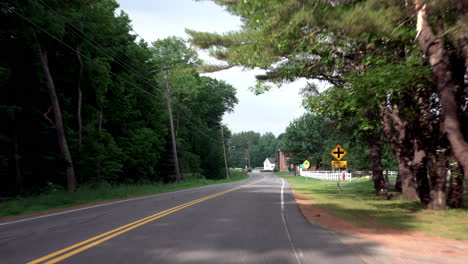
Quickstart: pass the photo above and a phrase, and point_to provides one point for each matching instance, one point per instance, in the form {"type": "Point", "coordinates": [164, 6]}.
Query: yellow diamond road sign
{"type": "Point", "coordinates": [338, 152]}
{"type": "Point", "coordinates": [306, 164]}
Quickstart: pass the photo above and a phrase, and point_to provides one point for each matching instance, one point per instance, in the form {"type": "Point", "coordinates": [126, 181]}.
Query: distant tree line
{"type": "Point", "coordinates": [82, 101]}
{"type": "Point", "coordinates": [312, 137]}
{"type": "Point", "coordinates": [398, 74]}
{"type": "Point", "coordinates": [252, 148]}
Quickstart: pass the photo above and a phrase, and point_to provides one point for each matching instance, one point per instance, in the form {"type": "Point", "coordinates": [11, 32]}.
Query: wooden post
{"type": "Point", "coordinates": [224, 150]}
{"type": "Point", "coordinates": [171, 124]}
{"type": "Point", "coordinates": [248, 155]}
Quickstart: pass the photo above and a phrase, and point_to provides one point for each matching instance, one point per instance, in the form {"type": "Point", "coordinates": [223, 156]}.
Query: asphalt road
{"type": "Point", "coordinates": [253, 221]}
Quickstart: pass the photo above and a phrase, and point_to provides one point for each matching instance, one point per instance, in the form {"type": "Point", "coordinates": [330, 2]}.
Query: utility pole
{"type": "Point", "coordinates": [224, 149]}
{"type": "Point", "coordinates": [169, 109]}
{"type": "Point", "coordinates": [248, 155]}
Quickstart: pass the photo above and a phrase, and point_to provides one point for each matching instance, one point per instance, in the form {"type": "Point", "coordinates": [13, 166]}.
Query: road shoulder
{"type": "Point", "coordinates": [46, 213]}
{"type": "Point", "coordinates": [391, 246]}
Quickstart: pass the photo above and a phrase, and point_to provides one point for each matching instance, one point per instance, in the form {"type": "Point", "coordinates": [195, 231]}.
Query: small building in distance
{"type": "Point", "coordinates": [284, 166]}
{"type": "Point", "coordinates": [282, 161]}
{"type": "Point", "coordinates": [269, 164]}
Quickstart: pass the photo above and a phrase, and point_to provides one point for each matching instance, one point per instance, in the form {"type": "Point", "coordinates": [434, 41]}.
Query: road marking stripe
{"type": "Point", "coordinates": [117, 229]}
{"type": "Point", "coordinates": [101, 235]}
{"type": "Point", "coordinates": [283, 215]}
{"type": "Point", "coordinates": [116, 202]}
{"type": "Point", "coordinates": [76, 251]}
{"type": "Point", "coordinates": [115, 232]}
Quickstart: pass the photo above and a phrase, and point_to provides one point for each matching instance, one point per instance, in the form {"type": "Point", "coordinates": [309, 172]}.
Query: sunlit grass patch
{"type": "Point", "coordinates": [284, 173]}
{"type": "Point", "coordinates": [357, 203]}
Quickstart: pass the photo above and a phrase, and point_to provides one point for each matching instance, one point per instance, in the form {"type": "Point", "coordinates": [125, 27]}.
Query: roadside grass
{"type": "Point", "coordinates": [86, 194]}
{"type": "Point", "coordinates": [358, 204]}
{"type": "Point", "coordinates": [283, 173]}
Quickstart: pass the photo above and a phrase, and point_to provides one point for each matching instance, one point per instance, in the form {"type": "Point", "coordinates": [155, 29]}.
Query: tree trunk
{"type": "Point", "coordinates": [398, 182]}
{"type": "Point", "coordinates": [433, 48]}
{"type": "Point", "coordinates": [80, 99]}
{"type": "Point", "coordinates": [377, 169]}
{"type": "Point", "coordinates": [408, 185]}
{"type": "Point", "coordinates": [462, 7]}
{"type": "Point", "coordinates": [455, 193]}
{"type": "Point", "coordinates": [437, 164]}
{"type": "Point", "coordinates": [62, 140]}
{"type": "Point", "coordinates": [16, 153]}
{"type": "Point", "coordinates": [396, 131]}
{"type": "Point", "coordinates": [419, 170]}
{"type": "Point", "coordinates": [17, 157]}
{"type": "Point", "coordinates": [100, 120]}
{"type": "Point", "coordinates": [387, 182]}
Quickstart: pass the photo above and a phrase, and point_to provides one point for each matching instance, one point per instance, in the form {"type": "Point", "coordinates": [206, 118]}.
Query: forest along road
{"type": "Point", "coordinates": [252, 221]}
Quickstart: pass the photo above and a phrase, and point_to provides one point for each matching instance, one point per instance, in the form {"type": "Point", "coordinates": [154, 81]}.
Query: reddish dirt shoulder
{"type": "Point", "coordinates": [399, 246]}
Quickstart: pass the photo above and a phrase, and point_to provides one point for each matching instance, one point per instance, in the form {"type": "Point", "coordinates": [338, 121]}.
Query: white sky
{"type": "Point", "coordinates": [159, 19]}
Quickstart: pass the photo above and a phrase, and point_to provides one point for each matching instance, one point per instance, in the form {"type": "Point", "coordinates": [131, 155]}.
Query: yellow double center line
{"type": "Point", "coordinates": [84, 245]}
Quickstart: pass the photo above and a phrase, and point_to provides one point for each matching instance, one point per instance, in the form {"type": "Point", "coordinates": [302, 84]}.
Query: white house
{"type": "Point", "coordinates": [269, 164]}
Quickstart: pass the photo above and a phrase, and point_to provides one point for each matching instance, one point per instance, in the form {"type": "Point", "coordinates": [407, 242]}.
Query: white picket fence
{"type": "Point", "coordinates": [327, 175]}
{"type": "Point", "coordinates": [389, 172]}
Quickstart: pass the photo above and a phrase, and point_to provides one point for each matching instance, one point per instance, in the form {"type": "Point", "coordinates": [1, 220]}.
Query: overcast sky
{"type": "Point", "coordinates": [159, 19]}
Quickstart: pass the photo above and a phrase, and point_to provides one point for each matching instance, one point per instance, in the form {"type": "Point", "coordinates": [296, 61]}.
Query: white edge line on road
{"type": "Point", "coordinates": [283, 215]}
{"type": "Point", "coordinates": [116, 202]}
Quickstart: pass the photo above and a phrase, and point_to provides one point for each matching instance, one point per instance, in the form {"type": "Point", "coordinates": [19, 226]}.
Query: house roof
{"type": "Point", "coordinates": [271, 160]}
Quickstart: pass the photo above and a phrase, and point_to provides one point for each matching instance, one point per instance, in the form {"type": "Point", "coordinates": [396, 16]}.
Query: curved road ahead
{"type": "Point", "coordinates": [252, 221]}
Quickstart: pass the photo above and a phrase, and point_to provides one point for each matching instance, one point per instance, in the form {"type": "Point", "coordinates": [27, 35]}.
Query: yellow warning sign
{"type": "Point", "coordinates": [339, 164]}
{"type": "Point", "coordinates": [306, 164]}
{"type": "Point", "coordinates": [338, 152]}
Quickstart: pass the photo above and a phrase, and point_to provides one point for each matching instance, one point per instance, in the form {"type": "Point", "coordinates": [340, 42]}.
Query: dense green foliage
{"type": "Point", "coordinates": [252, 147]}
{"type": "Point", "coordinates": [111, 97]}
{"type": "Point", "coordinates": [398, 81]}
{"type": "Point", "coordinates": [312, 137]}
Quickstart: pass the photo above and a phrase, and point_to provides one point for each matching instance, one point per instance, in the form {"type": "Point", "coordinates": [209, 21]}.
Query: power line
{"type": "Point", "coordinates": [125, 65]}
{"type": "Point", "coordinates": [224, 151]}
{"type": "Point", "coordinates": [88, 58]}
{"type": "Point", "coordinates": [84, 34]}
{"type": "Point", "coordinates": [136, 33]}
{"type": "Point", "coordinates": [102, 66]}
{"type": "Point", "coordinates": [98, 46]}
{"type": "Point", "coordinates": [171, 123]}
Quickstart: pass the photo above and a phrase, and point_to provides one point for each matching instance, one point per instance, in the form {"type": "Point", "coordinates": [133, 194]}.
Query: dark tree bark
{"type": "Point", "coordinates": [100, 117]}
{"type": "Point", "coordinates": [375, 145]}
{"type": "Point", "coordinates": [437, 166]}
{"type": "Point", "coordinates": [462, 7]}
{"type": "Point", "coordinates": [419, 170]}
{"type": "Point", "coordinates": [433, 47]}
{"type": "Point", "coordinates": [17, 157]}
{"type": "Point", "coordinates": [408, 184]}
{"type": "Point", "coordinates": [80, 98]}
{"type": "Point", "coordinates": [58, 122]}
{"type": "Point", "coordinates": [387, 182]}
{"type": "Point", "coordinates": [455, 192]}
{"type": "Point", "coordinates": [396, 131]}
{"type": "Point", "coordinates": [398, 183]}
{"type": "Point", "coordinates": [432, 146]}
